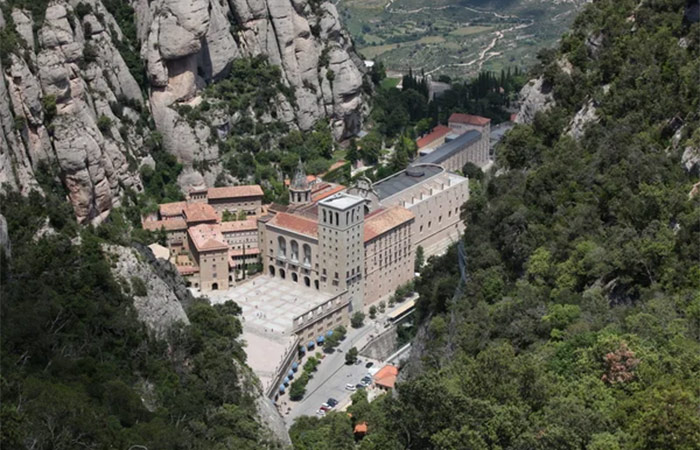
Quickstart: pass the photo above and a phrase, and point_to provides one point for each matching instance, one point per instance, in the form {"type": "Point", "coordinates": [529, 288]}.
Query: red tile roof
{"type": "Point", "coordinates": [218, 193]}
{"type": "Point", "coordinates": [437, 132]}
{"type": "Point", "coordinates": [168, 225]}
{"type": "Point", "coordinates": [171, 209]}
{"type": "Point", "coordinates": [200, 212]}
{"type": "Point", "coordinates": [239, 225]}
{"type": "Point", "coordinates": [187, 270]}
{"type": "Point", "coordinates": [386, 376]}
{"type": "Point", "coordinates": [207, 237]}
{"type": "Point", "coordinates": [295, 223]}
{"type": "Point", "coordinates": [361, 428]}
{"type": "Point", "coordinates": [326, 193]}
{"type": "Point", "coordinates": [469, 119]}
{"type": "Point", "coordinates": [309, 179]}
{"type": "Point", "coordinates": [385, 220]}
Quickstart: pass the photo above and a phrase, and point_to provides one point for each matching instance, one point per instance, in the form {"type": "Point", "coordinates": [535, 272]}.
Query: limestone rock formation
{"type": "Point", "coordinates": [70, 101]}
{"type": "Point", "coordinates": [691, 159]}
{"type": "Point", "coordinates": [55, 110]}
{"type": "Point", "coordinates": [5, 237]}
{"type": "Point", "coordinates": [157, 306]}
{"type": "Point", "coordinates": [193, 43]}
{"type": "Point", "coordinates": [536, 96]}
{"type": "Point", "coordinates": [587, 114]}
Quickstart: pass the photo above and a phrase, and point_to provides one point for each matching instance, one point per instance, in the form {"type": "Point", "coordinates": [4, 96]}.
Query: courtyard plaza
{"type": "Point", "coordinates": [269, 306]}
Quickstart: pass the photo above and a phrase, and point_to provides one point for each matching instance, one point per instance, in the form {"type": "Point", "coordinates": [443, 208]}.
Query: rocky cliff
{"type": "Point", "coordinates": [84, 86]}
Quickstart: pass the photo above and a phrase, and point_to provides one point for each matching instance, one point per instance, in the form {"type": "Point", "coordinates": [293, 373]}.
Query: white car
{"type": "Point", "coordinates": [350, 387]}
{"type": "Point", "coordinates": [320, 413]}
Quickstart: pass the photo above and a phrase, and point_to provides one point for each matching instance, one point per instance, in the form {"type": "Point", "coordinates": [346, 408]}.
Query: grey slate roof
{"type": "Point", "coordinates": [449, 149]}
{"type": "Point", "coordinates": [405, 179]}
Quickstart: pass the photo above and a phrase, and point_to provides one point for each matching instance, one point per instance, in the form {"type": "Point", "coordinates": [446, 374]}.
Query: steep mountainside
{"type": "Point", "coordinates": [575, 323]}
{"type": "Point", "coordinates": [92, 88]}
{"type": "Point", "coordinates": [104, 347]}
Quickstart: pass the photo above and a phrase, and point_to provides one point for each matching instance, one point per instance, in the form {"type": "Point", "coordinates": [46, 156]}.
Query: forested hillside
{"type": "Point", "coordinates": [579, 325]}
{"type": "Point", "coordinates": [80, 370]}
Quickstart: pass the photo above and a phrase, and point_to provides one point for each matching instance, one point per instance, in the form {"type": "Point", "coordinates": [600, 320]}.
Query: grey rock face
{"type": "Point", "coordinates": [5, 237]}
{"type": "Point", "coordinates": [587, 114]}
{"type": "Point", "coordinates": [535, 97]}
{"type": "Point", "coordinates": [691, 159]}
{"type": "Point", "coordinates": [188, 39]}
{"type": "Point", "coordinates": [73, 62]}
{"type": "Point", "coordinates": [160, 308]}
{"type": "Point", "coordinates": [55, 100]}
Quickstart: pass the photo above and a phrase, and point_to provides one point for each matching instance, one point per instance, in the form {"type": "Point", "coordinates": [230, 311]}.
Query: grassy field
{"type": "Point", "coordinates": [449, 36]}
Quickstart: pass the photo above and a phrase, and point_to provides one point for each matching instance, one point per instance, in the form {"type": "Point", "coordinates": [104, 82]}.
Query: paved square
{"type": "Point", "coordinates": [269, 306]}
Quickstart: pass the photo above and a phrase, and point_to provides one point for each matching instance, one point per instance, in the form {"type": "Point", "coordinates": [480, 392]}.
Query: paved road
{"type": "Point", "coordinates": [332, 375]}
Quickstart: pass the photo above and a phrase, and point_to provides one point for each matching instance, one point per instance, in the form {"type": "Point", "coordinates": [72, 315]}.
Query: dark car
{"type": "Point", "coordinates": [332, 402]}
{"type": "Point", "coordinates": [360, 386]}
{"type": "Point", "coordinates": [369, 364]}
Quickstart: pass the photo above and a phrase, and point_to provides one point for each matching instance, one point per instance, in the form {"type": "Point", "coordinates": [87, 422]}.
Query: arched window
{"type": "Point", "coordinates": [307, 254]}
{"type": "Point", "coordinates": [316, 284]}
{"type": "Point", "coordinates": [282, 247]}
{"type": "Point", "coordinates": [324, 216]}
{"type": "Point", "coordinates": [283, 274]}
{"type": "Point", "coordinates": [295, 277]}
{"type": "Point", "coordinates": [307, 281]}
{"type": "Point", "coordinates": [295, 250]}
{"type": "Point", "coordinates": [272, 270]}
{"type": "Point", "coordinates": [337, 219]}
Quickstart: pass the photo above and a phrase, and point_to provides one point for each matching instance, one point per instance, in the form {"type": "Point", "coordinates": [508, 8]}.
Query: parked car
{"type": "Point", "coordinates": [366, 381]}
{"type": "Point", "coordinates": [320, 413]}
{"type": "Point", "coordinates": [358, 362]}
{"type": "Point", "coordinates": [350, 387]}
{"type": "Point", "coordinates": [369, 364]}
{"type": "Point", "coordinates": [332, 402]}
{"type": "Point", "coordinates": [325, 408]}
{"type": "Point", "coordinates": [360, 386]}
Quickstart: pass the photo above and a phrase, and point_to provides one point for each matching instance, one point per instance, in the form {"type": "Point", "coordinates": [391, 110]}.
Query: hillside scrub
{"type": "Point", "coordinates": [80, 370]}
{"type": "Point", "coordinates": [579, 326]}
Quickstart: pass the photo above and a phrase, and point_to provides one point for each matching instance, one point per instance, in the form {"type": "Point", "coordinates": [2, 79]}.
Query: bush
{"type": "Point", "coordinates": [138, 287]}
{"type": "Point", "coordinates": [104, 123]}
{"type": "Point", "coordinates": [351, 356]}
{"type": "Point", "coordinates": [298, 387]}
{"type": "Point", "coordinates": [357, 319]}
{"type": "Point", "coordinates": [372, 312]}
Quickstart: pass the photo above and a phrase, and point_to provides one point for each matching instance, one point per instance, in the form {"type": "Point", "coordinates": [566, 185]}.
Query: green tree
{"type": "Point", "coordinates": [357, 319]}
{"type": "Point", "coordinates": [351, 355]}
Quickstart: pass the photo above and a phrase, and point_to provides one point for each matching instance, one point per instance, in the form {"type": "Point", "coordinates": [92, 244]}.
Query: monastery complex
{"type": "Point", "coordinates": [348, 247]}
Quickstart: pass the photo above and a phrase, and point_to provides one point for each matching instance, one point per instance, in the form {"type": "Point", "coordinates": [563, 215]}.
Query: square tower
{"type": "Point", "coordinates": [341, 219]}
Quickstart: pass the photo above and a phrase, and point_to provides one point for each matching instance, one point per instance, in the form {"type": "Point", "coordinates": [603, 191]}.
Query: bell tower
{"type": "Point", "coordinates": [299, 188]}
{"type": "Point", "coordinates": [341, 219]}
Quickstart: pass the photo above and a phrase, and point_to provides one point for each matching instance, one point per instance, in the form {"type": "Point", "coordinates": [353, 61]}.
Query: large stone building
{"type": "Point", "coordinates": [362, 242]}
{"type": "Point", "coordinates": [465, 139]}
{"type": "Point", "coordinates": [198, 238]}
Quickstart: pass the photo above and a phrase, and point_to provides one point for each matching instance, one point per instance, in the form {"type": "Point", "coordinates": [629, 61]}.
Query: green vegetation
{"type": "Point", "coordinates": [80, 369]}
{"type": "Point", "coordinates": [449, 35]}
{"type": "Point", "coordinates": [351, 355]}
{"type": "Point", "coordinates": [357, 319]}
{"type": "Point", "coordinates": [579, 324]}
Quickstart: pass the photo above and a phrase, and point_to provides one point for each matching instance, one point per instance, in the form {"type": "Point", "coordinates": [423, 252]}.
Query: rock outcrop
{"type": "Point", "coordinates": [587, 114]}
{"type": "Point", "coordinates": [155, 295]}
{"type": "Point", "coordinates": [56, 109]}
{"type": "Point", "coordinates": [5, 237]}
{"type": "Point", "coordinates": [70, 101]}
{"type": "Point", "coordinates": [536, 96]}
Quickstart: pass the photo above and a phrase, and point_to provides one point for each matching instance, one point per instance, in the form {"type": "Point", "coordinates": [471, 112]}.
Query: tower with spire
{"type": "Point", "coordinates": [299, 189]}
